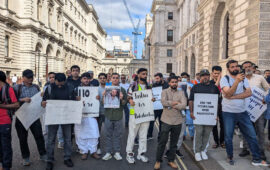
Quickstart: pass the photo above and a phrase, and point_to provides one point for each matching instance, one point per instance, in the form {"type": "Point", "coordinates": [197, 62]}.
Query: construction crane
{"type": "Point", "coordinates": [136, 29]}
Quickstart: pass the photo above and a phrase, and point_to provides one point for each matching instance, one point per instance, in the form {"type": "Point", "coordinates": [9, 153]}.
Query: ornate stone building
{"type": "Point", "coordinates": [49, 35]}
{"type": "Point", "coordinates": [203, 33]}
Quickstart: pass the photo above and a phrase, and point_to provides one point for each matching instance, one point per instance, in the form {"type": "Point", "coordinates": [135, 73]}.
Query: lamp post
{"type": "Point", "coordinates": [149, 52]}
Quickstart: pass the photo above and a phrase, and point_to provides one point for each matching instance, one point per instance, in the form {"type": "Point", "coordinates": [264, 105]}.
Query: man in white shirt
{"type": "Point", "coordinates": [125, 85]}
{"type": "Point", "coordinates": [258, 81]}
{"type": "Point", "coordinates": [235, 90]}
{"type": "Point", "coordinates": [14, 80]}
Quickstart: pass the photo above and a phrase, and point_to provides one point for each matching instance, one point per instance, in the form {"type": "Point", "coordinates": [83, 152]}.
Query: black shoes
{"type": "Point", "coordinates": [68, 163]}
{"type": "Point", "coordinates": [244, 153]}
{"type": "Point", "coordinates": [263, 157]}
{"type": "Point", "coordinates": [49, 166]}
{"type": "Point", "coordinates": [178, 153]}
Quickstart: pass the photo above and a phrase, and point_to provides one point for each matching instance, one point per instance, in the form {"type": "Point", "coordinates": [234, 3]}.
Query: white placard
{"type": "Point", "coordinates": [157, 95]}
{"type": "Point", "coordinates": [205, 109]}
{"type": "Point", "coordinates": [28, 113]}
{"type": "Point", "coordinates": [63, 112]}
{"type": "Point", "coordinates": [90, 103]}
{"type": "Point", "coordinates": [144, 110]}
{"type": "Point", "coordinates": [254, 106]}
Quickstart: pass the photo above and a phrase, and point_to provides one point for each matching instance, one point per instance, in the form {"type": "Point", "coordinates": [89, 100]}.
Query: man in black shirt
{"type": "Point", "coordinates": [159, 81]}
{"type": "Point", "coordinates": [59, 91]}
{"type": "Point", "coordinates": [202, 131]}
{"type": "Point", "coordinates": [219, 140]}
{"type": "Point", "coordinates": [74, 81]}
{"type": "Point", "coordinates": [93, 82]}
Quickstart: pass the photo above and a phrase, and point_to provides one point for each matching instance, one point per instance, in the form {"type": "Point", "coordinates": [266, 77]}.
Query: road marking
{"type": "Point", "coordinates": [181, 162]}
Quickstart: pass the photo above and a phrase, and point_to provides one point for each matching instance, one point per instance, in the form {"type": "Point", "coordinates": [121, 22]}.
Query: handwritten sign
{"type": "Point", "coordinates": [144, 110]}
{"type": "Point", "coordinates": [205, 109]}
{"type": "Point", "coordinates": [254, 106]}
{"type": "Point", "coordinates": [157, 95]}
{"type": "Point", "coordinates": [28, 113]}
{"type": "Point", "coordinates": [60, 112]}
{"type": "Point", "coordinates": [90, 103]}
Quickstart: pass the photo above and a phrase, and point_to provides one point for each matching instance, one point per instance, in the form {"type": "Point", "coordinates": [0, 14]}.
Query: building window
{"type": "Point", "coordinates": [169, 67]}
{"type": "Point", "coordinates": [186, 64]}
{"type": "Point", "coordinates": [6, 3]}
{"type": "Point", "coordinates": [39, 7]}
{"type": "Point", "coordinates": [170, 15]}
{"type": "Point", "coordinates": [169, 53]}
{"type": "Point", "coordinates": [49, 17]}
{"type": "Point", "coordinates": [7, 46]}
{"type": "Point", "coordinates": [170, 35]}
{"type": "Point", "coordinates": [227, 27]}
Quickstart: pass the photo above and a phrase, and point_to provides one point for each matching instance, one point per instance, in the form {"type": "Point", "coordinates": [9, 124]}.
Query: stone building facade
{"type": "Point", "coordinates": [49, 35]}
{"type": "Point", "coordinates": [208, 33]}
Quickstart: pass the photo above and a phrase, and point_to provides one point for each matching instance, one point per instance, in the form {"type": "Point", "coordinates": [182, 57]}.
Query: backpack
{"type": "Point", "coordinates": [6, 98]}
{"type": "Point", "coordinates": [228, 79]}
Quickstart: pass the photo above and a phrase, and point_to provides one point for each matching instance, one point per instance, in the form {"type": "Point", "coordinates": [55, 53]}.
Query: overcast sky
{"type": "Point", "coordinates": [114, 18]}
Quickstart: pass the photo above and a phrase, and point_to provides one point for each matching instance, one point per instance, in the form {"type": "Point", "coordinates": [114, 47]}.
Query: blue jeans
{"type": "Point", "coordinates": [52, 132]}
{"type": "Point", "coordinates": [5, 144]}
{"type": "Point", "coordinates": [60, 135]}
{"type": "Point", "coordinates": [247, 129]}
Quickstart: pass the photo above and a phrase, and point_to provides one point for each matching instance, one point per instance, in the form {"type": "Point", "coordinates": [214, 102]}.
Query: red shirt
{"type": "Point", "coordinates": [4, 117]}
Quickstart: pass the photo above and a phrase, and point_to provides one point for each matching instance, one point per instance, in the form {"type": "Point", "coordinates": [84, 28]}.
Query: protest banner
{"type": "Point", "coordinates": [205, 109]}
{"type": "Point", "coordinates": [28, 113]}
{"type": "Point", "coordinates": [144, 110]}
{"type": "Point", "coordinates": [157, 95]}
{"type": "Point", "coordinates": [254, 106]}
{"type": "Point", "coordinates": [112, 97]}
{"type": "Point", "coordinates": [90, 103]}
{"type": "Point", "coordinates": [63, 112]}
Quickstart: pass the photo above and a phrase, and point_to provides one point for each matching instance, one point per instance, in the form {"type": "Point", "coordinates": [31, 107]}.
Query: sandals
{"type": "Point", "coordinates": [223, 145]}
{"type": "Point", "coordinates": [215, 146]}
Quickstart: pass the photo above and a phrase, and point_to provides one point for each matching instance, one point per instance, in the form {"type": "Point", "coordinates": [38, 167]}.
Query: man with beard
{"type": "Point", "coordinates": [258, 81]}
{"type": "Point", "coordinates": [173, 102]}
{"type": "Point", "coordinates": [202, 132]}
{"type": "Point", "coordinates": [142, 128]}
{"type": "Point", "coordinates": [235, 90]}
{"type": "Point", "coordinates": [159, 81]}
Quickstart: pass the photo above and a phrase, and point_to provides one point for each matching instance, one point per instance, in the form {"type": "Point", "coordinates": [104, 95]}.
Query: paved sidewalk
{"type": "Point", "coordinates": [217, 157]}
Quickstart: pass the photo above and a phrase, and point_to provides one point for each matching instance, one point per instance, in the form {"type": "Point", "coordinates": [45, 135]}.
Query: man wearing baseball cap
{"type": "Point", "coordinates": [202, 131]}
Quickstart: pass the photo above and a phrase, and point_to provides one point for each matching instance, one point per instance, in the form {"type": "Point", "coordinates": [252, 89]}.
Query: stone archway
{"type": "Point", "coordinates": [48, 63]}
{"type": "Point", "coordinates": [38, 54]}
{"type": "Point", "coordinates": [192, 66]}
{"type": "Point", "coordinates": [216, 33]}
{"type": "Point", "coordinates": [186, 64]}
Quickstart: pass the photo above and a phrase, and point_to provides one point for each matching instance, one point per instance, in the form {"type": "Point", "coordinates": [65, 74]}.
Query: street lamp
{"type": "Point", "coordinates": [149, 52]}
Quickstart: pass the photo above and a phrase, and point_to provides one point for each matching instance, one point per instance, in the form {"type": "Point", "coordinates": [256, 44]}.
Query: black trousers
{"type": "Point", "coordinates": [158, 114]}
{"type": "Point", "coordinates": [5, 146]}
{"type": "Point", "coordinates": [174, 131]}
{"type": "Point", "coordinates": [219, 139]}
{"type": "Point", "coordinates": [22, 133]}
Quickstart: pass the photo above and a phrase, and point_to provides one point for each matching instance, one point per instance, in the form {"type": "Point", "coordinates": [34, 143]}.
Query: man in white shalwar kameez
{"type": "Point", "coordinates": [87, 132]}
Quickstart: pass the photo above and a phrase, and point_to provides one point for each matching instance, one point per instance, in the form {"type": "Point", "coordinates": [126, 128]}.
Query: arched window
{"type": "Point", "coordinates": [7, 46]}
{"type": "Point", "coordinates": [226, 36]}
{"type": "Point", "coordinates": [39, 8]}
{"type": "Point", "coordinates": [59, 22]}
{"type": "Point", "coordinates": [192, 66]}
{"type": "Point", "coordinates": [186, 64]}
{"type": "Point", "coordinates": [49, 17]}
{"type": "Point", "coordinates": [6, 3]}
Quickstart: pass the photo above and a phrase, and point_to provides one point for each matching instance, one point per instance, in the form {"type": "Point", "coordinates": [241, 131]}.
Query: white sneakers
{"type": "Point", "coordinates": [143, 158]}
{"type": "Point", "coordinates": [117, 156]}
{"type": "Point", "coordinates": [130, 158]}
{"type": "Point", "coordinates": [198, 157]}
{"type": "Point", "coordinates": [201, 156]}
{"type": "Point", "coordinates": [99, 151]}
{"type": "Point", "coordinates": [107, 156]}
{"type": "Point", "coordinates": [204, 156]}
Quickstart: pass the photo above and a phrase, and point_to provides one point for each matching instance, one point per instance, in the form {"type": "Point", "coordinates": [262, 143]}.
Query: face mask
{"type": "Point", "coordinates": [184, 80]}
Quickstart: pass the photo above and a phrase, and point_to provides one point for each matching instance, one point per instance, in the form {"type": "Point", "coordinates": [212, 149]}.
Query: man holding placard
{"type": "Point", "coordinates": [235, 90]}
{"type": "Point", "coordinates": [159, 84]}
{"type": "Point", "coordinates": [59, 91]}
{"type": "Point", "coordinates": [113, 123]}
{"type": "Point", "coordinates": [136, 127]}
{"type": "Point", "coordinates": [87, 132]}
{"type": "Point", "coordinates": [24, 92]}
{"type": "Point", "coordinates": [256, 82]}
{"type": "Point", "coordinates": [173, 102]}
{"type": "Point", "coordinates": [203, 105]}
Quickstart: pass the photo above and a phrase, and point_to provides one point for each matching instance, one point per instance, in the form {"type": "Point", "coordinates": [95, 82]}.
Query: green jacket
{"type": "Point", "coordinates": [117, 114]}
